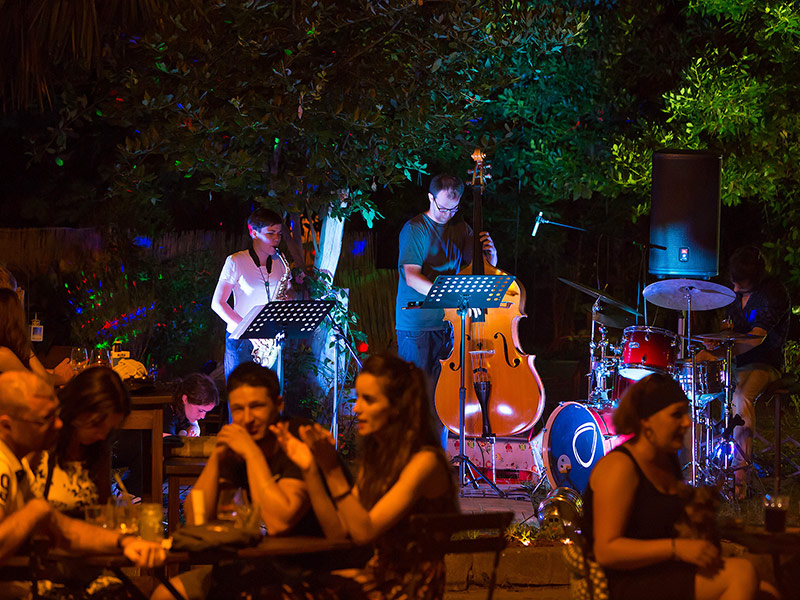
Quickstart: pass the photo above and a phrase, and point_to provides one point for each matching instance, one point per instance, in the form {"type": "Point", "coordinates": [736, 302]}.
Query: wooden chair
{"type": "Point", "coordinates": [434, 535]}
{"type": "Point", "coordinates": [179, 471]}
{"type": "Point", "coordinates": [779, 390]}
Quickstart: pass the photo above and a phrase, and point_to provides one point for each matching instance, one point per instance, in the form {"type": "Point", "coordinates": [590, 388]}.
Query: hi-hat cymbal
{"type": "Point", "coordinates": [725, 336]}
{"type": "Point", "coordinates": [601, 295]}
{"type": "Point", "coordinates": [675, 293]}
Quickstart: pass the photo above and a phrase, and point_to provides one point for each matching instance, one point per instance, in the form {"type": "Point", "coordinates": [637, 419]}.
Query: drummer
{"type": "Point", "coordinates": [761, 309]}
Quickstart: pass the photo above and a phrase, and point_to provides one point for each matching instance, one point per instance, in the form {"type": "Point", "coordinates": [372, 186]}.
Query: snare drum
{"type": "Point", "coordinates": [575, 438]}
{"type": "Point", "coordinates": [647, 350]}
{"type": "Point", "coordinates": [710, 379]}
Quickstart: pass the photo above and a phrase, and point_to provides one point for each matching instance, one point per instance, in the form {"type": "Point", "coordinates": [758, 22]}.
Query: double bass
{"type": "Point", "coordinates": [504, 393]}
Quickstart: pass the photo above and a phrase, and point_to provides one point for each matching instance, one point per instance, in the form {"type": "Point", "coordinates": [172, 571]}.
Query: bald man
{"type": "Point", "coordinates": [29, 421]}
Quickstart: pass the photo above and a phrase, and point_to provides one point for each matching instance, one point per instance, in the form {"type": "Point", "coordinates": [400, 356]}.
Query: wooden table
{"type": "Point", "coordinates": [269, 546]}
{"type": "Point", "coordinates": [147, 414]}
{"type": "Point", "coordinates": [760, 541]}
{"type": "Point", "coordinates": [275, 547]}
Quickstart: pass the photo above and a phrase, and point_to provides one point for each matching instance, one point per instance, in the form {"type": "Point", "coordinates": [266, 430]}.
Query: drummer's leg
{"type": "Point", "coordinates": [750, 383]}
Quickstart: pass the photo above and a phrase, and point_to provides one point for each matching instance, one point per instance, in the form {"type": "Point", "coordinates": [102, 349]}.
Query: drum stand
{"type": "Point", "coordinates": [598, 393]}
{"type": "Point", "coordinates": [727, 444]}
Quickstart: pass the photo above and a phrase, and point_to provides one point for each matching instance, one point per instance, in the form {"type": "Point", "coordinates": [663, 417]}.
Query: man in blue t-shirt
{"type": "Point", "coordinates": [761, 309]}
{"type": "Point", "coordinates": [431, 245]}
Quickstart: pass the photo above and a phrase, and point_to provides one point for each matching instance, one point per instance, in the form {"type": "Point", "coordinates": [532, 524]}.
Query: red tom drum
{"type": "Point", "coordinates": [647, 350]}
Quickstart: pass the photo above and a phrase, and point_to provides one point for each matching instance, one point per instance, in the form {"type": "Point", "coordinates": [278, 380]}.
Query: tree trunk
{"type": "Point", "coordinates": [326, 260]}
{"type": "Point", "coordinates": [330, 245]}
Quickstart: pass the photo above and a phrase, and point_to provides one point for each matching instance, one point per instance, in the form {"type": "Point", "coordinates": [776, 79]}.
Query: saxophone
{"type": "Point", "coordinates": [265, 350]}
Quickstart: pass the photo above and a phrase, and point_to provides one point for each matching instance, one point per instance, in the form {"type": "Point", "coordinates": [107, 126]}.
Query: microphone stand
{"type": "Point", "coordinates": [541, 220]}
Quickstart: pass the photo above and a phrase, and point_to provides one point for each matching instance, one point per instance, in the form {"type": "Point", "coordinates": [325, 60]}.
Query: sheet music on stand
{"type": "Point", "coordinates": [479, 291]}
{"type": "Point", "coordinates": [293, 318]}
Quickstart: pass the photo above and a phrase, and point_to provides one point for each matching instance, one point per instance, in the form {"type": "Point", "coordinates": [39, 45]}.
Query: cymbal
{"type": "Point", "coordinates": [601, 295]}
{"type": "Point", "coordinates": [675, 293]}
{"type": "Point", "coordinates": [725, 336]}
{"type": "Point", "coordinates": [616, 320]}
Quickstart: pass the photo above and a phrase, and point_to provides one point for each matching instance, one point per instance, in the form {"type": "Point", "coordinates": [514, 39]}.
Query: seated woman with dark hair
{"type": "Point", "coordinates": [402, 471]}
{"type": "Point", "coordinates": [16, 353]}
{"type": "Point", "coordinates": [194, 397]}
{"type": "Point", "coordinates": [77, 472]}
{"type": "Point", "coordinates": [632, 504]}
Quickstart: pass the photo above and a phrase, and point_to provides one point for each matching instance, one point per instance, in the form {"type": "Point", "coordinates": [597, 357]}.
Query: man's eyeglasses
{"type": "Point", "coordinates": [446, 210]}
{"type": "Point", "coordinates": [41, 422]}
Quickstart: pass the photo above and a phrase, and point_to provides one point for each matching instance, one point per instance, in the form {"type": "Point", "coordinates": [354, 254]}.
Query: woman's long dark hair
{"type": "Point", "coordinates": [386, 453]}
{"type": "Point", "coordinates": [97, 391]}
{"type": "Point", "coordinates": [13, 330]}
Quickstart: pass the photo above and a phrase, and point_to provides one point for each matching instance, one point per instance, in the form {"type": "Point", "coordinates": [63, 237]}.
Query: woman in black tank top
{"type": "Point", "coordinates": [631, 507]}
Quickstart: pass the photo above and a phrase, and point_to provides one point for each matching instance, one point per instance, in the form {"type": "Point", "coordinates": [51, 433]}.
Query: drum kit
{"type": "Point", "coordinates": [578, 434]}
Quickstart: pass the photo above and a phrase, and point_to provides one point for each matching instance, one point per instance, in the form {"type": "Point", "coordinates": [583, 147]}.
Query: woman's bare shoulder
{"type": "Point", "coordinates": [432, 468]}
{"type": "Point", "coordinates": [9, 360]}
{"type": "Point", "coordinates": [613, 465]}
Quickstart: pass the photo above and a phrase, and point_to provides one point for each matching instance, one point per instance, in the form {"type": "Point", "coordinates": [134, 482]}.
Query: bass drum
{"type": "Point", "coordinates": [575, 438]}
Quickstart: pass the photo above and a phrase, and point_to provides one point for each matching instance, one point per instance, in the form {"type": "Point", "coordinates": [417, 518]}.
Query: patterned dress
{"type": "Point", "coordinates": [71, 487]}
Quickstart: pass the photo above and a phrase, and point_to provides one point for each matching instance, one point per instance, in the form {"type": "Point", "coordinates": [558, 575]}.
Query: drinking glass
{"type": "Point", "coordinates": [775, 508]}
{"type": "Point", "coordinates": [233, 505]}
{"type": "Point", "coordinates": [151, 516]}
{"type": "Point", "coordinates": [127, 517]}
{"type": "Point", "coordinates": [101, 515]}
{"type": "Point", "coordinates": [100, 358]}
{"type": "Point", "coordinates": [78, 359]}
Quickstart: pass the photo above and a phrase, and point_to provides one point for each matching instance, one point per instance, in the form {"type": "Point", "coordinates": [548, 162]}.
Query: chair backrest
{"type": "Point", "coordinates": [485, 532]}
{"type": "Point", "coordinates": [436, 532]}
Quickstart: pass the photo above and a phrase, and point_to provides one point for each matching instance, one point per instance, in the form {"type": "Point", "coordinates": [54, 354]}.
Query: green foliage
{"type": "Point", "coordinates": [315, 106]}
{"type": "Point", "coordinates": [736, 96]}
{"type": "Point", "coordinates": [109, 303]}
{"type": "Point", "coordinates": [320, 286]}
{"type": "Point", "coordinates": [291, 103]}
{"type": "Point", "coordinates": [182, 339]}
{"type": "Point", "coordinates": [158, 307]}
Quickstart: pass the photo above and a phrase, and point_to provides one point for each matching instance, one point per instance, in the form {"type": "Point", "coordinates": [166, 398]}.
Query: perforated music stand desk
{"type": "Point", "coordinates": [477, 291]}
{"type": "Point", "coordinates": [293, 318]}
{"type": "Point", "coordinates": [463, 292]}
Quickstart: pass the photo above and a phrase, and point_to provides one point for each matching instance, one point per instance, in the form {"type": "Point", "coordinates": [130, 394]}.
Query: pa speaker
{"type": "Point", "coordinates": [684, 214]}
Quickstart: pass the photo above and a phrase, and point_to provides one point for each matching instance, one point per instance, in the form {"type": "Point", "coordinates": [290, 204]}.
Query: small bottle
{"type": "Point", "coordinates": [37, 331]}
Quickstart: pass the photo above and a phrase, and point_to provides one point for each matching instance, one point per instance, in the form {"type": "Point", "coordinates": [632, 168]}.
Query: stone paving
{"type": "Point", "coordinates": [534, 572]}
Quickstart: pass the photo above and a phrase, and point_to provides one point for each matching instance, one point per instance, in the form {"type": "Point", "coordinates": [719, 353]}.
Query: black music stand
{"type": "Point", "coordinates": [286, 318]}
{"type": "Point", "coordinates": [463, 292]}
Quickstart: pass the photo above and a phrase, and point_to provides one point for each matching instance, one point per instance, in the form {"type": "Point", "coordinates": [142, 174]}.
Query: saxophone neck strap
{"type": "Point", "coordinates": [257, 261]}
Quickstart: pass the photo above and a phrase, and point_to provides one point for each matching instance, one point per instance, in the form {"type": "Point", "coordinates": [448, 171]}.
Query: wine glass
{"type": "Point", "coordinates": [78, 359]}
{"type": "Point", "coordinates": [100, 358]}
